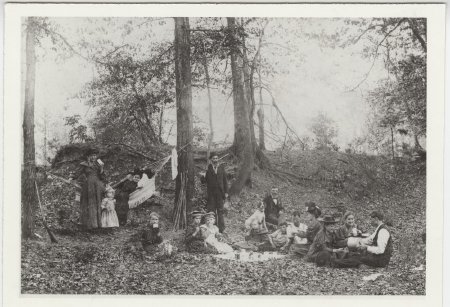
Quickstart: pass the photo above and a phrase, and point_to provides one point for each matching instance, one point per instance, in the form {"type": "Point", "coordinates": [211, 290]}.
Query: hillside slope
{"type": "Point", "coordinates": [109, 263]}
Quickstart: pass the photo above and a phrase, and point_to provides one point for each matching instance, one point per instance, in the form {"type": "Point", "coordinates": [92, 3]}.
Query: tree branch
{"type": "Point", "coordinates": [416, 34]}
{"type": "Point", "coordinates": [376, 54]}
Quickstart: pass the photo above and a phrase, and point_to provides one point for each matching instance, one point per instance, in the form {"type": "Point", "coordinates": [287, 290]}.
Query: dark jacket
{"type": "Point", "coordinates": [272, 209]}
{"type": "Point", "coordinates": [216, 183]}
{"type": "Point", "coordinates": [385, 257]}
{"type": "Point", "coordinates": [122, 195]}
{"type": "Point", "coordinates": [150, 236]}
{"type": "Point", "coordinates": [323, 241]}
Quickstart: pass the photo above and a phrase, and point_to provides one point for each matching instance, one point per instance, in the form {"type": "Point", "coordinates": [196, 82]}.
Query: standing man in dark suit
{"type": "Point", "coordinates": [217, 189]}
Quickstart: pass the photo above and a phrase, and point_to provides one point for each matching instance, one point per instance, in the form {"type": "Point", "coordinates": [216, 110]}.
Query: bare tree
{"type": "Point", "coordinates": [242, 135]}
{"type": "Point", "coordinates": [29, 159]}
{"type": "Point", "coordinates": [184, 109]}
{"type": "Point", "coordinates": [260, 112]}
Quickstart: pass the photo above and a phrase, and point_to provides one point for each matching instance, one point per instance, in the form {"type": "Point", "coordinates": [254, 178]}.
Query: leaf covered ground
{"type": "Point", "coordinates": [109, 263]}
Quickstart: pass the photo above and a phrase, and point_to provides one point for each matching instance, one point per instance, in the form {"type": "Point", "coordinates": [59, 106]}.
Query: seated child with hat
{"type": "Point", "coordinates": [195, 241]}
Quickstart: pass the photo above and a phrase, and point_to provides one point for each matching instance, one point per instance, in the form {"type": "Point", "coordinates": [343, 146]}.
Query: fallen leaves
{"type": "Point", "coordinates": [110, 263]}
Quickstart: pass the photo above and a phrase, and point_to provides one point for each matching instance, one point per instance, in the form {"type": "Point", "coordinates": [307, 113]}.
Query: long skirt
{"type": "Point", "coordinates": [300, 250]}
{"type": "Point", "coordinates": [109, 219]}
{"type": "Point", "coordinates": [122, 207]}
{"type": "Point", "coordinates": [199, 247]}
{"type": "Point", "coordinates": [221, 247]}
{"type": "Point", "coordinates": [90, 203]}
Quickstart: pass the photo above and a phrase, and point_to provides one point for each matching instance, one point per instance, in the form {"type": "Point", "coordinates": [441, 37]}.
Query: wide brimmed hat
{"type": "Point", "coordinates": [327, 219]}
{"type": "Point", "coordinates": [197, 213]}
{"type": "Point", "coordinates": [210, 215]}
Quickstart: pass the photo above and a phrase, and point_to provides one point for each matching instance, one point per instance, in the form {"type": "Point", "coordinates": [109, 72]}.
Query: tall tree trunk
{"type": "Point", "coordinates": [248, 89]}
{"type": "Point", "coordinates": [260, 113]}
{"type": "Point", "coordinates": [45, 137]}
{"type": "Point", "coordinates": [242, 136]}
{"type": "Point", "coordinates": [392, 143]}
{"type": "Point", "coordinates": [184, 108]}
{"type": "Point", "coordinates": [29, 160]}
{"type": "Point", "coordinates": [208, 87]}
{"type": "Point", "coordinates": [160, 130]}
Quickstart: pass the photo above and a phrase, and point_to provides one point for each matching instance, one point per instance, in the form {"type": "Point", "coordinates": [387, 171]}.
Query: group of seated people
{"type": "Point", "coordinates": [318, 241]}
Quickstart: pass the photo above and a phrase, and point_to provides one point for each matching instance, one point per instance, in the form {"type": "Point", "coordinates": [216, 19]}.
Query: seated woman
{"type": "Point", "coordinates": [313, 227]}
{"type": "Point", "coordinates": [277, 240]}
{"type": "Point", "coordinates": [152, 240]}
{"type": "Point", "coordinates": [324, 240]}
{"type": "Point", "coordinates": [256, 230]}
{"type": "Point", "coordinates": [211, 235]}
{"type": "Point", "coordinates": [346, 231]}
{"type": "Point", "coordinates": [195, 243]}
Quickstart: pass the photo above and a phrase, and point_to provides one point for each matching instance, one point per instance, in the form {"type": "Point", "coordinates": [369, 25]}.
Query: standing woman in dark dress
{"type": "Point", "coordinates": [123, 195]}
{"type": "Point", "coordinates": [91, 178]}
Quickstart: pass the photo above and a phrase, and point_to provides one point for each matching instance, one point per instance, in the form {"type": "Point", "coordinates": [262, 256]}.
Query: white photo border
{"type": "Point", "coordinates": [435, 14]}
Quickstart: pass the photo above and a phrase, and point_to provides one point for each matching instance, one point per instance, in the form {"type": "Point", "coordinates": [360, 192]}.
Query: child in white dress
{"type": "Point", "coordinates": [109, 215]}
{"type": "Point", "coordinates": [211, 234]}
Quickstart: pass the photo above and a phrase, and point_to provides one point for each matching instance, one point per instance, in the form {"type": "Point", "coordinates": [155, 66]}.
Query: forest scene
{"type": "Point", "coordinates": [224, 156]}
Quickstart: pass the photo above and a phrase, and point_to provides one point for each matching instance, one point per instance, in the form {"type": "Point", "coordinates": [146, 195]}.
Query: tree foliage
{"type": "Point", "coordinates": [130, 94]}
{"type": "Point", "coordinates": [400, 99]}
{"type": "Point", "coordinates": [325, 131]}
{"type": "Point", "coordinates": [78, 132]}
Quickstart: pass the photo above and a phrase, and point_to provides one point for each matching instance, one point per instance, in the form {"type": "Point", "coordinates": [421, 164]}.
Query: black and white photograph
{"type": "Point", "coordinates": [225, 155]}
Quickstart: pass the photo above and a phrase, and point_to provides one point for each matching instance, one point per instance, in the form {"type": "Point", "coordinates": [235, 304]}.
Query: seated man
{"type": "Point", "coordinates": [273, 208]}
{"type": "Point", "coordinates": [377, 248]}
{"type": "Point", "coordinates": [277, 240]}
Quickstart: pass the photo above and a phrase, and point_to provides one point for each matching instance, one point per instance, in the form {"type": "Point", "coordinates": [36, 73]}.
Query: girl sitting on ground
{"type": "Point", "coordinates": [109, 217]}
{"type": "Point", "coordinates": [152, 240]}
{"type": "Point", "coordinates": [212, 236]}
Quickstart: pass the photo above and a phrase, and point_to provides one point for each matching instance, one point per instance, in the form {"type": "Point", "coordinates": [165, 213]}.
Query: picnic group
{"type": "Point", "coordinates": [324, 240]}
